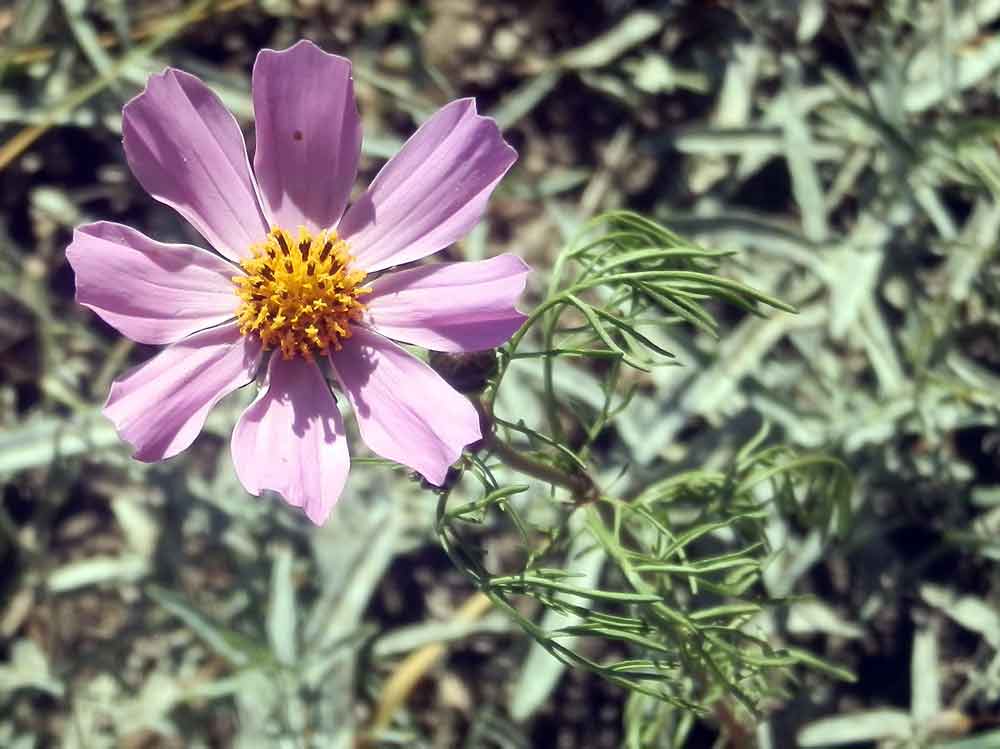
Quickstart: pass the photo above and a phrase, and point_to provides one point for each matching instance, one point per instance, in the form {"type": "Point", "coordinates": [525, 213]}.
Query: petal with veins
{"type": "Point", "coordinates": [187, 151]}
{"type": "Point", "coordinates": [451, 306]}
{"type": "Point", "coordinates": [149, 291]}
{"type": "Point", "coordinates": [291, 440]}
{"type": "Point", "coordinates": [432, 192]}
{"type": "Point", "coordinates": [308, 135]}
{"type": "Point", "coordinates": [161, 406]}
{"type": "Point", "coordinates": [405, 411]}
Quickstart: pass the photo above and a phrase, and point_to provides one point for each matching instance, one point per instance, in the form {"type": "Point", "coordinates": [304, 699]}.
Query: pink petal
{"type": "Point", "coordinates": [406, 412]}
{"type": "Point", "coordinates": [451, 306]}
{"type": "Point", "coordinates": [161, 406]}
{"type": "Point", "coordinates": [149, 291]}
{"type": "Point", "coordinates": [186, 149]}
{"type": "Point", "coordinates": [291, 440]}
{"type": "Point", "coordinates": [308, 135]}
{"type": "Point", "coordinates": [432, 192]}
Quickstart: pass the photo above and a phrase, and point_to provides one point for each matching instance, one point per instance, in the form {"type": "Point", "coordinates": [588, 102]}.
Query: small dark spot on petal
{"type": "Point", "coordinates": [297, 135]}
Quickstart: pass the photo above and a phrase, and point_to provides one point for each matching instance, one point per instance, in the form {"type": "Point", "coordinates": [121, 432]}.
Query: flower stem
{"type": "Point", "coordinates": [580, 484]}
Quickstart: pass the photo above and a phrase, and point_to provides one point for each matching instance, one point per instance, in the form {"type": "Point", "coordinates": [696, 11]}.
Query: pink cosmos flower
{"type": "Point", "coordinates": [297, 279]}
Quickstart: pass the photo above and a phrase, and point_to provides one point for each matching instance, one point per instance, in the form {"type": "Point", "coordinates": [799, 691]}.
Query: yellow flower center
{"type": "Point", "coordinates": [300, 295]}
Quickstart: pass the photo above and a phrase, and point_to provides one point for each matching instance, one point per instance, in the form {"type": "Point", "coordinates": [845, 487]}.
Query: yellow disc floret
{"type": "Point", "coordinates": [300, 295]}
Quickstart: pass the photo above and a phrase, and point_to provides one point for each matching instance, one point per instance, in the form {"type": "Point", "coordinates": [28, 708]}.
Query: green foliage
{"type": "Point", "coordinates": [684, 553]}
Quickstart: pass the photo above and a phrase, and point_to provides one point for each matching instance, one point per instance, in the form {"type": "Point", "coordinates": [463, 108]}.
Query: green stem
{"type": "Point", "coordinates": [580, 484]}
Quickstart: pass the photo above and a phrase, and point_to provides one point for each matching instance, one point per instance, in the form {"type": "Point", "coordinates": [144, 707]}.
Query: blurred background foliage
{"type": "Point", "coordinates": [700, 569]}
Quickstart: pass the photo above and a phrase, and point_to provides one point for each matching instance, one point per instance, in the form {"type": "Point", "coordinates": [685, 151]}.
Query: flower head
{"type": "Point", "coordinates": [297, 285]}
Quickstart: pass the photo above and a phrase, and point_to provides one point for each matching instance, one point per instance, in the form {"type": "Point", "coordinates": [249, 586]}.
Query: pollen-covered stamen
{"type": "Point", "coordinates": [300, 295]}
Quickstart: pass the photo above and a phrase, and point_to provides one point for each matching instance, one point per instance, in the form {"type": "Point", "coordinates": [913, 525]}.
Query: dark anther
{"type": "Point", "coordinates": [267, 273]}
{"type": "Point", "coordinates": [310, 269]}
{"type": "Point", "coordinates": [327, 246]}
{"type": "Point", "coordinates": [304, 248]}
{"type": "Point", "coordinates": [283, 243]}
{"type": "Point", "coordinates": [288, 266]}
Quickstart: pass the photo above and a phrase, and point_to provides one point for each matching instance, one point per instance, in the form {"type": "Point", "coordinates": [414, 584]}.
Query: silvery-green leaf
{"type": "Point", "coordinates": [28, 667]}
{"type": "Point", "coordinates": [971, 612]}
{"type": "Point", "coordinates": [988, 740]}
{"type": "Point", "coordinates": [136, 523]}
{"type": "Point", "coordinates": [874, 725]}
{"type": "Point", "coordinates": [281, 614]}
{"type": "Point", "coordinates": [632, 30]}
{"type": "Point", "coordinates": [925, 679]}
{"type": "Point", "coordinates": [128, 567]}
{"type": "Point", "coordinates": [519, 102]}
{"type": "Point", "coordinates": [805, 617]}
{"type": "Point", "coordinates": [41, 441]}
